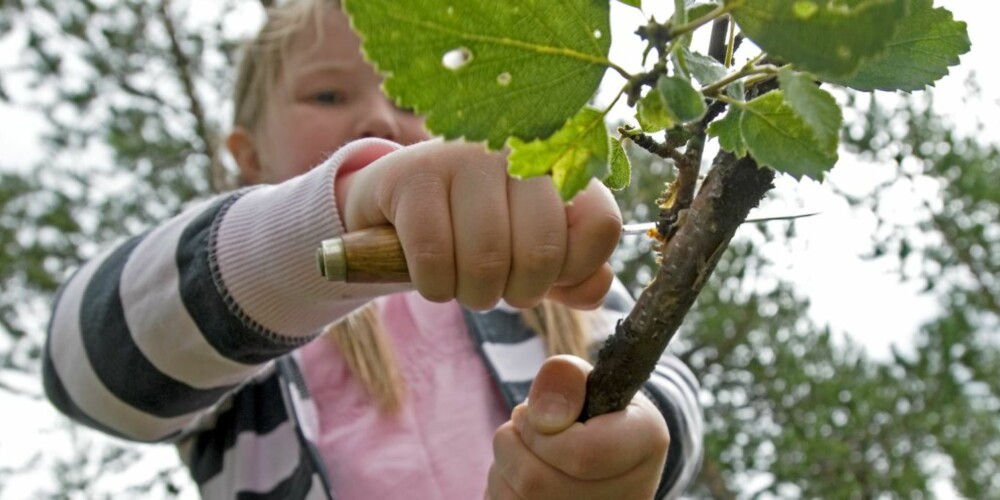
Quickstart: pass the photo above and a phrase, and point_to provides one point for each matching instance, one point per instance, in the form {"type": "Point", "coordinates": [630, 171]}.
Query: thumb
{"type": "Point", "coordinates": [557, 394]}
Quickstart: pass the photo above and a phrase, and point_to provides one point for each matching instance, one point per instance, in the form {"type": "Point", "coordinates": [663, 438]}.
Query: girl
{"type": "Point", "coordinates": [210, 331]}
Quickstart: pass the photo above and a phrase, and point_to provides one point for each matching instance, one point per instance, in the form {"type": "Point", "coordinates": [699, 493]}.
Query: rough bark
{"type": "Point", "coordinates": [732, 187]}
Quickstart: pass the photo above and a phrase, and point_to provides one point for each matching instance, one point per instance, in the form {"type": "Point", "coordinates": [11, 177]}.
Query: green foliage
{"type": "Point", "coordinates": [778, 137]}
{"type": "Point", "coordinates": [728, 131]}
{"type": "Point", "coordinates": [575, 154]}
{"type": "Point", "coordinates": [492, 55]}
{"type": "Point", "coordinates": [621, 169]}
{"type": "Point", "coordinates": [826, 38]}
{"type": "Point", "coordinates": [488, 70]}
{"type": "Point", "coordinates": [925, 44]}
{"type": "Point", "coordinates": [703, 68]}
{"type": "Point", "coordinates": [816, 107]}
{"type": "Point", "coordinates": [651, 112]}
{"type": "Point", "coordinates": [682, 102]}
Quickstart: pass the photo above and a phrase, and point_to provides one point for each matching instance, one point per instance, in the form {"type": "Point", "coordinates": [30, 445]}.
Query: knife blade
{"type": "Point", "coordinates": [645, 227]}
{"type": "Point", "coordinates": [375, 255]}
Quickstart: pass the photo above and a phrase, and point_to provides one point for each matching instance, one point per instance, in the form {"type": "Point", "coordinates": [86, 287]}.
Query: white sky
{"type": "Point", "coordinates": [852, 295]}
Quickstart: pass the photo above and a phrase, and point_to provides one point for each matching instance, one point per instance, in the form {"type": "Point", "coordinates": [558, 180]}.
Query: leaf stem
{"type": "Point", "coordinates": [701, 21]}
{"type": "Point", "coordinates": [747, 70]}
{"type": "Point", "coordinates": [620, 70]}
{"type": "Point", "coordinates": [731, 46]}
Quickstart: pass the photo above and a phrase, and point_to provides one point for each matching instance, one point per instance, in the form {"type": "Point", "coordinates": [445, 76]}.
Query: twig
{"type": "Point", "coordinates": [216, 173]}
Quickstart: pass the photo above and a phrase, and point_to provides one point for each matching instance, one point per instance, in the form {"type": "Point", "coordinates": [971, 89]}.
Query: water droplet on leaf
{"type": "Point", "coordinates": [804, 9]}
{"type": "Point", "coordinates": [456, 59]}
{"type": "Point", "coordinates": [598, 34]}
{"type": "Point", "coordinates": [504, 79]}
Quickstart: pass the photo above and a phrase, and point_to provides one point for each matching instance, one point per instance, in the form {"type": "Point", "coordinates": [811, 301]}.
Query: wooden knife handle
{"type": "Point", "coordinates": [372, 255]}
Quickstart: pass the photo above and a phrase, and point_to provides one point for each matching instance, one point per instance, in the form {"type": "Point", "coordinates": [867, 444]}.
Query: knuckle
{"type": "Point", "coordinates": [430, 256]}
{"type": "Point", "coordinates": [487, 265]}
{"type": "Point", "coordinates": [500, 438]}
{"type": "Point", "coordinates": [407, 184]}
{"type": "Point", "coordinates": [543, 257]}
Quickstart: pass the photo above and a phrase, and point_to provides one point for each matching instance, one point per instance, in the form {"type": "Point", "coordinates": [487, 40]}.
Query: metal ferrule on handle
{"type": "Point", "coordinates": [372, 255]}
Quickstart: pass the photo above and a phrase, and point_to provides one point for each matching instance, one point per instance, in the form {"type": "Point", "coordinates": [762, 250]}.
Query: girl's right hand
{"type": "Point", "coordinates": [472, 233]}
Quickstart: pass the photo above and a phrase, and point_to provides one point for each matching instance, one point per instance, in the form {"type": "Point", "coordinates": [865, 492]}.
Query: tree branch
{"type": "Point", "coordinates": [699, 236]}
{"type": "Point", "coordinates": [216, 172]}
{"type": "Point", "coordinates": [728, 193]}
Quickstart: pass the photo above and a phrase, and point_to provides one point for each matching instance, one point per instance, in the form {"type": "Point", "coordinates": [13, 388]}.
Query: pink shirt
{"type": "Point", "coordinates": [440, 444]}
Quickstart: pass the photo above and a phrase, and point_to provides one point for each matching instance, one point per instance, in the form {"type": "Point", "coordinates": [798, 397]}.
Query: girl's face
{"type": "Point", "coordinates": [325, 97]}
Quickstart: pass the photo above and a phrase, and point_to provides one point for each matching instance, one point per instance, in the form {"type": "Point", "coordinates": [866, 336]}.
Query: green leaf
{"type": "Point", "coordinates": [652, 114]}
{"type": "Point", "coordinates": [815, 106]}
{"type": "Point", "coordinates": [573, 155]}
{"type": "Point", "coordinates": [737, 90]}
{"type": "Point", "coordinates": [683, 102]}
{"type": "Point", "coordinates": [777, 137]}
{"type": "Point", "coordinates": [729, 133]}
{"type": "Point", "coordinates": [699, 10]}
{"type": "Point", "coordinates": [703, 68]}
{"type": "Point", "coordinates": [621, 169]}
{"type": "Point", "coordinates": [926, 43]}
{"type": "Point", "coordinates": [632, 3]}
{"type": "Point", "coordinates": [487, 70]}
{"type": "Point", "coordinates": [830, 38]}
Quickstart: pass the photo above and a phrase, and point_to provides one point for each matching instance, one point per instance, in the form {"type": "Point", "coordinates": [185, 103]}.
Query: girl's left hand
{"type": "Point", "coordinates": [543, 452]}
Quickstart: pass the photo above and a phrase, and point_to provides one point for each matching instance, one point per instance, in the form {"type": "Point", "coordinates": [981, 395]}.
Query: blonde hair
{"type": "Point", "coordinates": [359, 336]}
{"type": "Point", "coordinates": [366, 349]}
{"type": "Point", "coordinates": [260, 61]}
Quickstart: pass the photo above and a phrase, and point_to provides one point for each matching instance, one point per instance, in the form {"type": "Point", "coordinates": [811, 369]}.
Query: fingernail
{"type": "Point", "coordinates": [550, 411]}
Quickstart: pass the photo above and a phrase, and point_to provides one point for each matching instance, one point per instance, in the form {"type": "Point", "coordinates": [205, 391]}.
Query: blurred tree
{"type": "Point", "coordinates": [133, 96]}
{"type": "Point", "coordinates": [133, 92]}
{"type": "Point", "coordinates": [794, 411]}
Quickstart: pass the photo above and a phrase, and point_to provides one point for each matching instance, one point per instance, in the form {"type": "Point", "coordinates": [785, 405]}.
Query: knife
{"type": "Point", "coordinates": [375, 255]}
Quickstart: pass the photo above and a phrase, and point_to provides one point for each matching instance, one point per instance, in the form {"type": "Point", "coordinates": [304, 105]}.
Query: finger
{"type": "Point", "coordinates": [557, 394]}
{"type": "Point", "coordinates": [497, 487]}
{"type": "Point", "coordinates": [538, 237]}
{"type": "Point", "coordinates": [413, 195]}
{"type": "Point", "coordinates": [595, 225]}
{"type": "Point", "coordinates": [525, 475]}
{"type": "Point", "coordinates": [481, 226]}
{"type": "Point", "coordinates": [587, 295]}
{"type": "Point", "coordinates": [606, 446]}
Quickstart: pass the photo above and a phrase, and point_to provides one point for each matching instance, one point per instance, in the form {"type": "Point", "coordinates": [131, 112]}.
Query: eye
{"type": "Point", "coordinates": [328, 97]}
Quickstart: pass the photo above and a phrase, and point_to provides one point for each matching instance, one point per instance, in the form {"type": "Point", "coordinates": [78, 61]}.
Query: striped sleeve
{"type": "Point", "coordinates": [252, 451]}
{"type": "Point", "coordinates": [674, 390]}
{"type": "Point", "coordinates": [149, 336]}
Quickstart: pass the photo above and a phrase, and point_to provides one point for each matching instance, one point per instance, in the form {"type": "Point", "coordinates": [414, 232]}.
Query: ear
{"type": "Point", "coordinates": [242, 146]}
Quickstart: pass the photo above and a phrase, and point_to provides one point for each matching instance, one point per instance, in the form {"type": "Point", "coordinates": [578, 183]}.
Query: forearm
{"type": "Point", "coordinates": [147, 337]}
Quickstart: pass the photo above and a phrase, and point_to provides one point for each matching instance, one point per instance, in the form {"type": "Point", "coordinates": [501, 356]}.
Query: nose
{"type": "Point", "coordinates": [378, 117]}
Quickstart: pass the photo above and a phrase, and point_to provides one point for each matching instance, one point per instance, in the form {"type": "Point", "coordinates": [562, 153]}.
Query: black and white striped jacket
{"type": "Point", "coordinates": [146, 344]}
